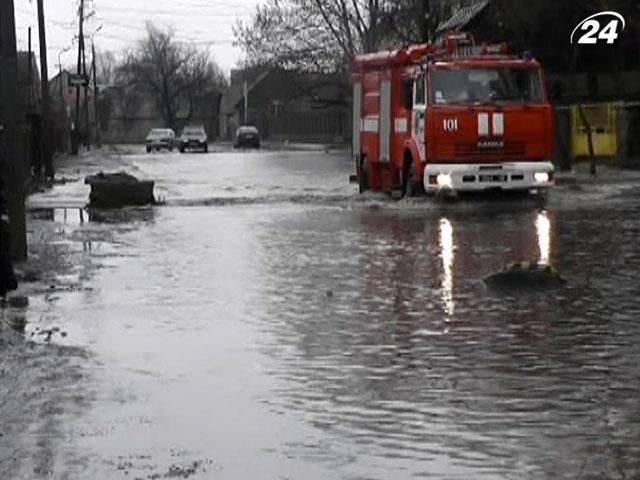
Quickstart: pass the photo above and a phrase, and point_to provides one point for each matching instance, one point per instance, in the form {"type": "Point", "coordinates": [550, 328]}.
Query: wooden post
{"type": "Point", "coordinates": [12, 165]}
{"type": "Point", "coordinates": [95, 95]}
{"type": "Point", "coordinates": [587, 125]}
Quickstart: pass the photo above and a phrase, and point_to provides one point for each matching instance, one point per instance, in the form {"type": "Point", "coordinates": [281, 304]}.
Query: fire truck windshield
{"type": "Point", "coordinates": [471, 86]}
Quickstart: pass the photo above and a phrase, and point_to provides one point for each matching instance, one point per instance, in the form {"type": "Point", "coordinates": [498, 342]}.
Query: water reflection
{"type": "Point", "coordinates": [73, 216]}
{"type": "Point", "coordinates": [543, 229]}
{"type": "Point", "coordinates": [69, 216]}
{"type": "Point", "coordinates": [447, 255]}
{"type": "Point", "coordinates": [79, 216]}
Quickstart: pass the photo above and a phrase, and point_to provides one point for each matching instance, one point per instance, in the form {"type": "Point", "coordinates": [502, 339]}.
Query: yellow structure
{"type": "Point", "coordinates": [602, 118]}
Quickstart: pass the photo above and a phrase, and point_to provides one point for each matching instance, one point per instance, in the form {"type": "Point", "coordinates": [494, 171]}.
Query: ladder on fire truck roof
{"type": "Point", "coordinates": [454, 45]}
{"type": "Point", "coordinates": [461, 45]}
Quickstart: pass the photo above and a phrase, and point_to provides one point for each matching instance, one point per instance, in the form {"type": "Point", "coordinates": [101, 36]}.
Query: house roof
{"type": "Point", "coordinates": [235, 93]}
{"type": "Point", "coordinates": [463, 16]}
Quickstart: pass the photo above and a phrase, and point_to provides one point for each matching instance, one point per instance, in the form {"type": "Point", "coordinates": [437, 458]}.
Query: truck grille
{"type": "Point", "coordinates": [474, 150]}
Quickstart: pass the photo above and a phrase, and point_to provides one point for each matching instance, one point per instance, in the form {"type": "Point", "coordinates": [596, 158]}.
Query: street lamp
{"type": "Point", "coordinates": [64, 50]}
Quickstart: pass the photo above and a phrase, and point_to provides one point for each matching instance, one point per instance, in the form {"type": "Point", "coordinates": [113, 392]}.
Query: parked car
{"type": "Point", "coordinates": [247, 136]}
{"type": "Point", "coordinates": [193, 137]}
{"type": "Point", "coordinates": [160, 138]}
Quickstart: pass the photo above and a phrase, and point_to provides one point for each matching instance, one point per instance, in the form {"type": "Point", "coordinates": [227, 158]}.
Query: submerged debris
{"type": "Point", "coordinates": [18, 323]}
{"type": "Point", "coordinates": [525, 276]}
{"type": "Point", "coordinates": [18, 301]}
{"type": "Point", "coordinates": [114, 190]}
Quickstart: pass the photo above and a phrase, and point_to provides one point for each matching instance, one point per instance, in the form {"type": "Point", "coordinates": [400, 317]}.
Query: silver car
{"type": "Point", "coordinates": [160, 138]}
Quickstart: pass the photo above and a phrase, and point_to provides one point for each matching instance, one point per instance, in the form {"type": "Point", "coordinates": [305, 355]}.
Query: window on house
{"type": "Point", "coordinates": [275, 108]}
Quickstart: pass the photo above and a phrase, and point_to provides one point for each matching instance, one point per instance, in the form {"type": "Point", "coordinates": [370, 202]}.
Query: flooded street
{"type": "Point", "coordinates": [265, 321]}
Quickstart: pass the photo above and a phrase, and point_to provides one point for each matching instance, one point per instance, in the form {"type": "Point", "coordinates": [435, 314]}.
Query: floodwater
{"type": "Point", "coordinates": [267, 322]}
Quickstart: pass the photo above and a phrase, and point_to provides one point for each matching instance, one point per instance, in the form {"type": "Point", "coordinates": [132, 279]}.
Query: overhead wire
{"type": "Point", "coordinates": [120, 22]}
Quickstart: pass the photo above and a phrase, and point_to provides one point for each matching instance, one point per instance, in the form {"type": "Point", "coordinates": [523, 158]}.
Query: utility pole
{"type": "Point", "coordinates": [86, 97]}
{"type": "Point", "coordinates": [95, 94]}
{"type": "Point", "coordinates": [12, 166]}
{"type": "Point", "coordinates": [424, 15]}
{"type": "Point", "coordinates": [60, 78]}
{"type": "Point", "coordinates": [38, 161]}
{"type": "Point", "coordinates": [246, 102]}
{"type": "Point", "coordinates": [38, 150]}
{"type": "Point", "coordinates": [30, 60]}
{"type": "Point", "coordinates": [46, 103]}
{"type": "Point", "coordinates": [75, 133]}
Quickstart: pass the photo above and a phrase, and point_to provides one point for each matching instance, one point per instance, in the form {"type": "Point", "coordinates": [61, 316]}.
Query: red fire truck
{"type": "Point", "coordinates": [455, 116]}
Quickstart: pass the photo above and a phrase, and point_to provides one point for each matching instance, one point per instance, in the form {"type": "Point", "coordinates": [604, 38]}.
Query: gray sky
{"type": "Point", "coordinates": [207, 22]}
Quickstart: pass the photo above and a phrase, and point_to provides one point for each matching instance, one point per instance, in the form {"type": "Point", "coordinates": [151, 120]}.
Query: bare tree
{"type": "Point", "coordinates": [176, 75]}
{"type": "Point", "coordinates": [128, 99]}
{"type": "Point", "coordinates": [106, 65]}
{"type": "Point", "coordinates": [283, 34]}
{"type": "Point", "coordinates": [324, 35]}
{"type": "Point", "coordinates": [312, 35]}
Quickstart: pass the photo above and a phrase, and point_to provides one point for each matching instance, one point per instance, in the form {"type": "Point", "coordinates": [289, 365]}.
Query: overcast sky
{"type": "Point", "coordinates": [207, 22]}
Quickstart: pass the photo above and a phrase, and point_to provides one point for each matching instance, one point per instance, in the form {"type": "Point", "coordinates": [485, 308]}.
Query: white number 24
{"type": "Point", "coordinates": [594, 31]}
{"type": "Point", "coordinates": [608, 33]}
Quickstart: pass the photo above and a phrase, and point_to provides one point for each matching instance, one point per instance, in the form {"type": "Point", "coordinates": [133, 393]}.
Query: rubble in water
{"type": "Point", "coordinates": [525, 276]}
{"type": "Point", "coordinates": [114, 190]}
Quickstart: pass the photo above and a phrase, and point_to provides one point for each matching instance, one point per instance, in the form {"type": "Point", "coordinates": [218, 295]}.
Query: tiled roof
{"type": "Point", "coordinates": [463, 16]}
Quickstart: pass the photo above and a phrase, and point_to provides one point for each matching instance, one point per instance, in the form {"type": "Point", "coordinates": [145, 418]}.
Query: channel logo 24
{"type": "Point", "coordinates": [599, 28]}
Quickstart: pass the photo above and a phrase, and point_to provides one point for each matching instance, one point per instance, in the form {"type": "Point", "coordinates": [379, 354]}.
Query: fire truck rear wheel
{"type": "Point", "coordinates": [363, 177]}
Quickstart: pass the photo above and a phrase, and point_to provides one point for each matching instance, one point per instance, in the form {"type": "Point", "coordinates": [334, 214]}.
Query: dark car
{"type": "Point", "coordinates": [194, 137]}
{"type": "Point", "coordinates": [247, 136]}
{"type": "Point", "coordinates": [160, 138]}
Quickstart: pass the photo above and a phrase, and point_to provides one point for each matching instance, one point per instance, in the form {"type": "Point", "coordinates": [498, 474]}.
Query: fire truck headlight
{"type": "Point", "coordinates": [444, 180]}
{"type": "Point", "coordinates": [541, 177]}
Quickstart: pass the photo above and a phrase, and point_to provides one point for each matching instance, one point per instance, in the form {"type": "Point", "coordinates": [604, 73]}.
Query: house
{"type": "Point", "coordinates": [287, 105]}
{"type": "Point", "coordinates": [573, 73]}
{"type": "Point", "coordinates": [63, 107]}
{"type": "Point", "coordinates": [29, 84]}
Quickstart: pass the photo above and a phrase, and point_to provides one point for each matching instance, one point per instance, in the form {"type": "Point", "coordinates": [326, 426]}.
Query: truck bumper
{"type": "Point", "coordinates": [474, 177]}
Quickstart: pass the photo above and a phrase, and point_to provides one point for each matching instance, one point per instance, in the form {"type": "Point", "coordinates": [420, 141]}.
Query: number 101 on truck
{"type": "Point", "coordinates": [455, 116]}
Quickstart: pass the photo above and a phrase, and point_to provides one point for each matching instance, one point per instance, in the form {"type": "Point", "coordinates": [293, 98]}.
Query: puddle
{"type": "Point", "coordinates": [80, 216]}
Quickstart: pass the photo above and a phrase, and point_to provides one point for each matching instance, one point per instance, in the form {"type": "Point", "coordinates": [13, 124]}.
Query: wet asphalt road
{"type": "Point", "coordinates": [268, 322]}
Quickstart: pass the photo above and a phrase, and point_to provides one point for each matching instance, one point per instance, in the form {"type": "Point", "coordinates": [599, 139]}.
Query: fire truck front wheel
{"type": "Point", "coordinates": [411, 185]}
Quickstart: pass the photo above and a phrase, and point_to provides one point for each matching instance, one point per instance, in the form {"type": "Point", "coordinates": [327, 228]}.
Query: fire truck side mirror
{"type": "Point", "coordinates": [407, 94]}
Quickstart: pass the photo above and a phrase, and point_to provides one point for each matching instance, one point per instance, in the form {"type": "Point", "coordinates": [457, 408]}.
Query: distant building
{"type": "Point", "coordinates": [61, 90]}
{"type": "Point", "coordinates": [126, 114]}
{"type": "Point", "coordinates": [287, 105]}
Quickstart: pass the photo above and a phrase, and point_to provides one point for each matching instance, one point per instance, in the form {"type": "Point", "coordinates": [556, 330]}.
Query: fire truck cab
{"type": "Point", "coordinates": [455, 116]}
